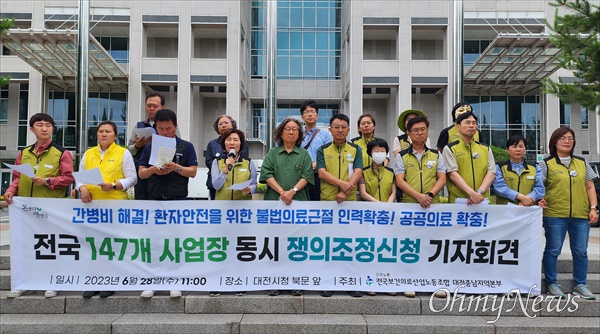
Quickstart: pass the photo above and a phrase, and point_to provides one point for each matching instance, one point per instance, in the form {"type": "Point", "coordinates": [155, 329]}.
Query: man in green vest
{"type": "Point", "coordinates": [53, 169]}
{"type": "Point", "coordinates": [470, 165]}
{"type": "Point", "coordinates": [339, 165]}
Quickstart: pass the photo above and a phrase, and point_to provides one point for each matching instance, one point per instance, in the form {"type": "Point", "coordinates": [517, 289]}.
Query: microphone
{"type": "Point", "coordinates": [230, 155]}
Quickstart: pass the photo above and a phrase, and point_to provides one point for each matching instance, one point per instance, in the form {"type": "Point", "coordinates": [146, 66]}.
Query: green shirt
{"type": "Point", "coordinates": [287, 169]}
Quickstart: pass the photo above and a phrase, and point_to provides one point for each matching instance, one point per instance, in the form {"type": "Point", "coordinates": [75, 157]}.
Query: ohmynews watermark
{"type": "Point", "coordinates": [530, 303]}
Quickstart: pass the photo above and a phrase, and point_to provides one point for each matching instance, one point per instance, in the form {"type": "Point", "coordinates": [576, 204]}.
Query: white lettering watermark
{"type": "Point", "coordinates": [496, 303]}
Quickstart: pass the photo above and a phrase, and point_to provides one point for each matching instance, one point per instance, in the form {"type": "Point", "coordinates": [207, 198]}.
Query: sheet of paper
{"type": "Point", "coordinates": [163, 150]}
{"type": "Point", "coordinates": [240, 186]}
{"type": "Point", "coordinates": [144, 132]}
{"type": "Point", "coordinates": [23, 169]}
{"type": "Point", "coordinates": [91, 176]}
{"type": "Point", "coordinates": [464, 201]}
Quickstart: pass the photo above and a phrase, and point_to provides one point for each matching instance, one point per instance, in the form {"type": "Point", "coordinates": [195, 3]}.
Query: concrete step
{"type": "Point", "coordinates": [565, 262]}
{"type": "Point", "coordinates": [287, 323]}
{"type": "Point", "coordinates": [311, 303]}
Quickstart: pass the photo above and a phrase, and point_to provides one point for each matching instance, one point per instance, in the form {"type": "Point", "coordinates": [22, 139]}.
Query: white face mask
{"type": "Point", "coordinates": [379, 157]}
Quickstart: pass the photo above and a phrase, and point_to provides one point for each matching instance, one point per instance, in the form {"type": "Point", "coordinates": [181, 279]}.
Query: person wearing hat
{"type": "Point", "coordinates": [451, 134]}
{"type": "Point", "coordinates": [402, 142]}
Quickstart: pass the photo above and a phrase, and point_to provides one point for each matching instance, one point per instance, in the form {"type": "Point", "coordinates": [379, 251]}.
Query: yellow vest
{"type": "Point", "coordinates": [111, 167]}
{"type": "Point", "coordinates": [379, 185]}
{"type": "Point", "coordinates": [46, 165]}
{"type": "Point", "coordinates": [566, 193]}
{"type": "Point", "coordinates": [336, 163]}
{"type": "Point", "coordinates": [362, 142]}
{"type": "Point", "coordinates": [521, 183]}
{"type": "Point", "coordinates": [472, 167]}
{"type": "Point", "coordinates": [239, 173]}
{"type": "Point", "coordinates": [420, 176]}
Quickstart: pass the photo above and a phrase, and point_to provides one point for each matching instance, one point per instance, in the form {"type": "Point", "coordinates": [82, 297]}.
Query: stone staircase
{"type": "Point", "coordinates": [196, 312]}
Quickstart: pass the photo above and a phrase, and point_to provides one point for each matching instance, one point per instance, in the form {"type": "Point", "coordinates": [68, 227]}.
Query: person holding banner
{"type": "Point", "coordinates": [518, 182]}
{"type": "Point", "coordinates": [420, 172]}
{"type": "Point", "coordinates": [233, 171]}
{"type": "Point", "coordinates": [470, 165]}
{"type": "Point", "coordinates": [215, 151]}
{"type": "Point", "coordinates": [340, 165]}
{"type": "Point", "coordinates": [287, 170]}
{"type": "Point", "coordinates": [168, 182]}
{"type": "Point", "coordinates": [570, 205]}
{"type": "Point", "coordinates": [53, 168]}
{"type": "Point", "coordinates": [117, 168]}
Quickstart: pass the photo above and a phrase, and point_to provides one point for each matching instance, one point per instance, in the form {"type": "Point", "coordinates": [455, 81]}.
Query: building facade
{"type": "Point", "coordinates": [240, 57]}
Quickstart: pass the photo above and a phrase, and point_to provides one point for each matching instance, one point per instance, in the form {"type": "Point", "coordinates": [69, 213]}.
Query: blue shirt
{"type": "Point", "coordinates": [537, 193]}
{"type": "Point", "coordinates": [321, 138]}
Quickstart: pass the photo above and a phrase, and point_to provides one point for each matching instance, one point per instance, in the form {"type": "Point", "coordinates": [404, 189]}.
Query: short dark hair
{"type": "Point", "coordinates": [555, 137]}
{"type": "Point", "coordinates": [309, 103]}
{"type": "Point", "coordinates": [279, 130]}
{"type": "Point", "coordinates": [464, 116]}
{"type": "Point", "coordinates": [458, 106]}
{"type": "Point", "coordinates": [342, 117]}
{"type": "Point", "coordinates": [111, 123]}
{"type": "Point", "coordinates": [360, 119]}
{"type": "Point", "coordinates": [415, 120]}
{"type": "Point", "coordinates": [377, 142]}
{"type": "Point", "coordinates": [165, 115]}
{"type": "Point", "coordinates": [41, 117]}
{"type": "Point", "coordinates": [153, 94]}
{"type": "Point", "coordinates": [216, 124]}
{"type": "Point", "coordinates": [514, 140]}
{"type": "Point", "coordinates": [227, 133]}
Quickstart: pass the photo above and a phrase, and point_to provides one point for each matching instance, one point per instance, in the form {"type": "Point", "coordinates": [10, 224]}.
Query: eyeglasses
{"type": "Point", "coordinates": [366, 123]}
{"type": "Point", "coordinates": [337, 127]}
{"type": "Point", "coordinates": [567, 139]}
{"type": "Point", "coordinates": [421, 130]}
{"type": "Point", "coordinates": [290, 129]}
{"type": "Point", "coordinates": [309, 111]}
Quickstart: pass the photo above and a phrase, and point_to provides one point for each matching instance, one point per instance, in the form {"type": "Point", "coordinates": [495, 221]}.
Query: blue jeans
{"type": "Point", "coordinates": [579, 232]}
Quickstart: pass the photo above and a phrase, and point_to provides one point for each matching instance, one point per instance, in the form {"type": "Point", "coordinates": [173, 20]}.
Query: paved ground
{"type": "Point", "coordinates": [593, 248]}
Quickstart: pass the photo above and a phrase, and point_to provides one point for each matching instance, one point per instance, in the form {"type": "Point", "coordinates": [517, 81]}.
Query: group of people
{"type": "Point", "coordinates": [310, 164]}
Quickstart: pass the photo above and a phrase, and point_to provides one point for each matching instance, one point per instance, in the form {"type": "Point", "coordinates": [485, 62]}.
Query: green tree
{"type": "Point", "coordinates": [4, 26]}
{"type": "Point", "coordinates": [575, 33]}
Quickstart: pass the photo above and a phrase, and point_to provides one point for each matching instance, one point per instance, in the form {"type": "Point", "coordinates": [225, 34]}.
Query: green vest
{"type": "Point", "coordinates": [566, 193]}
{"type": "Point", "coordinates": [46, 165]}
{"type": "Point", "coordinates": [454, 135]}
{"type": "Point", "coordinates": [362, 142]}
{"type": "Point", "coordinates": [522, 183]}
{"type": "Point", "coordinates": [472, 167]}
{"type": "Point", "coordinates": [420, 176]}
{"type": "Point", "coordinates": [379, 185]}
{"type": "Point", "coordinates": [336, 163]}
{"type": "Point", "coordinates": [404, 142]}
{"type": "Point", "coordinates": [239, 173]}
{"type": "Point", "coordinates": [111, 167]}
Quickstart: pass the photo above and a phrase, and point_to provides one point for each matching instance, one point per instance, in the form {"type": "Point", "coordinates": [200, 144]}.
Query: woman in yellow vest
{"type": "Point", "coordinates": [517, 181]}
{"type": "Point", "coordinates": [233, 169]}
{"type": "Point", "coordinates": [118, 171]}
{"type": "Point", "coordinates": [377, 183]}
{"type": "Point", "coordinates": [570, 205]}
{"type": "Point", "coordinates": [366, 130]}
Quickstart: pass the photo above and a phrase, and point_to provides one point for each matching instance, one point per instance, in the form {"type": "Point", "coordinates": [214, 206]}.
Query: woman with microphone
{"type": "Point", "coordinates": [233, 169]}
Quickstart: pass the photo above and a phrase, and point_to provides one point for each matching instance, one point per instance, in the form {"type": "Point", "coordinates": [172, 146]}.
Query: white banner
{"type": "Point", "coordinates": [63, 244]}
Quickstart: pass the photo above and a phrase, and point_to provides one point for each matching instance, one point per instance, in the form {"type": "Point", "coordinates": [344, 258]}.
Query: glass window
{"type": "Point", "coordinates": [498, 110]}
{"type": "Point", "coordinates": [3, 105]}
{"type": "Point", "coordinates": [584, 118]}
{"type": "Point", "coordinates": [565, 114]}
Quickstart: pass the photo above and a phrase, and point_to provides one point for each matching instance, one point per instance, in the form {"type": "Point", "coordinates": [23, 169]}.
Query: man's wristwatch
{"type": "Point", "coordinates": [430, 194]}
{"type": "Point", "coordinates": [48, 181]}
{"type": "Point", "coordinates": [179, 169]}
{"type": "Point", "coordinates": [480, 191]}
{"type": "Point", "coordinates": [295, 189]}
{"type": "Point", "coordinates": [114, 186]}
{"type": "Point", "coordinates": [595, 207]}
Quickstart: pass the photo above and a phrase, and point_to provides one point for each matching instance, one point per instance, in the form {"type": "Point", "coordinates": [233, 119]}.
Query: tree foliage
{"type": "Point", "coordinates": [4, 26]}
{"type": "Point", "coordinates": [575, 33]}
